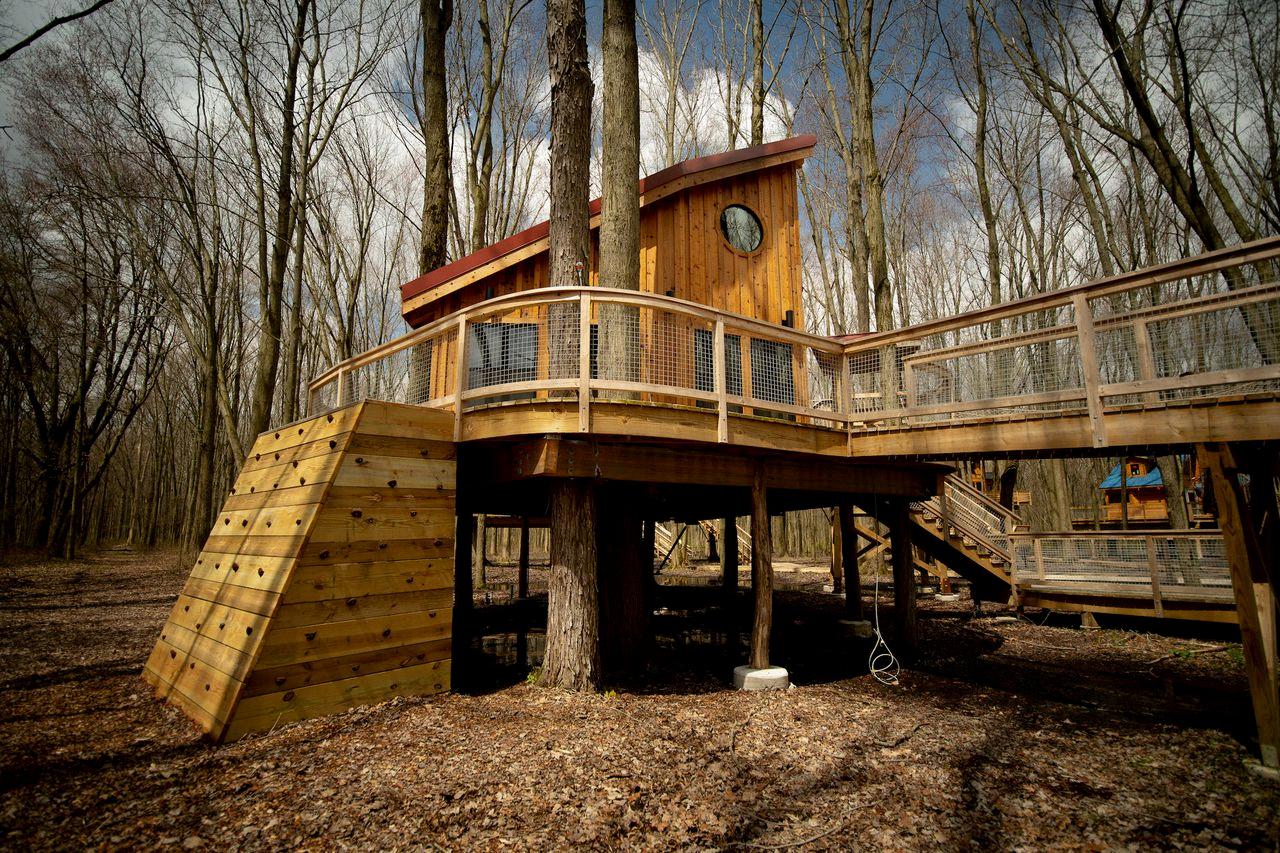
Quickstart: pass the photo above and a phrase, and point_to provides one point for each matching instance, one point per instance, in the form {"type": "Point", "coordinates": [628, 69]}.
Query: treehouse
{"type": "Point", "coordinates": [338, 572]}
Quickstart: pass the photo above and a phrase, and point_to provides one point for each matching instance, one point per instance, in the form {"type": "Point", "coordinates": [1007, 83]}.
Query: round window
{"type": "Point", "coordinates": [741, 227]}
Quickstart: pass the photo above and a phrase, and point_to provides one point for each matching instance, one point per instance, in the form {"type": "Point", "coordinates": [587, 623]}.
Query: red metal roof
{"type": "Point", "coordinates": [477, 259]}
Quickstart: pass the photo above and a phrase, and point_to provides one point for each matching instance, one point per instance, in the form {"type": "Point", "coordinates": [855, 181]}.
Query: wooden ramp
{"type": "Point", "coordinates": [327, 581]}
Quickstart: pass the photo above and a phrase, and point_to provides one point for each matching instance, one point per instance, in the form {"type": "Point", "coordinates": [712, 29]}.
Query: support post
{"type": "Point", "coordinates": [729, 577]}
{"type": "Point", "coordinates": [478, 579]}
{"type": "Point", "coordinates": [1153, 566]}
{"type": "Point", "coordinates": [522, 578]}
{"type": "Point", "coordinates": [463, 601]}
{"type": "Point", "coordinates": [852, 577]}
{"type": "Point", "coordinates": [1252, 585]}
{"type": "Point", "coordinates": [837, 555]}
{"type": "Point", "coordinates": [1089, 367]}
{"type": "Point", "coordinates": [904, 578]}
{"type": "Point", "coordinates": [584, 363]}
{"type": "Point", "coordinates": [522, 595]}
{"type": "Point", "coordinates": [761, 571]}
{"type": "Point", "coordinates": [721, 383]}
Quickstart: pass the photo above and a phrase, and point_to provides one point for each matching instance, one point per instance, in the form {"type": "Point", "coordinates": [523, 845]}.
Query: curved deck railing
{"type": "Point", "coordinates": [1195, 330]}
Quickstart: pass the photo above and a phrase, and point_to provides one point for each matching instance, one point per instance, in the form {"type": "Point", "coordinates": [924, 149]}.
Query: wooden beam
{"type": "Point", "coordinates": [463, 600]}
{"type": "Point", "coordinates": [852, 577]}
{"type": "Point", "coordinates": [560, 457]}
{"type": "Point", "coordinates": [1254, 595]}
{"type": "Point", "coordinates": [761, 570]}
{"type": "Point", "coordinates": [904, 579]}
{"type": "Point", "coordinates": [522, 579]}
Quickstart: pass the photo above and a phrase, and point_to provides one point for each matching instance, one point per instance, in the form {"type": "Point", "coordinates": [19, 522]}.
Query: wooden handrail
{"type": "Point", "coordinates": [1267, 248]}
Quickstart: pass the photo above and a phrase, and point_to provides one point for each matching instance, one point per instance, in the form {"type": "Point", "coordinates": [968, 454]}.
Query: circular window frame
{"type": "Point", "coordinates": [724, 240]}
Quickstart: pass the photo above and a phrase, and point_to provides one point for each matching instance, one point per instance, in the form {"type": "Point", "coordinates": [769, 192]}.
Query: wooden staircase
{"type": "Point", "coordinates": [967, 532]}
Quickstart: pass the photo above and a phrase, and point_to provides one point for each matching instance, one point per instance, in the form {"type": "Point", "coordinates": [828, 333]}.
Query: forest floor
{"type": "Point", "coordinates": [1004, 735]}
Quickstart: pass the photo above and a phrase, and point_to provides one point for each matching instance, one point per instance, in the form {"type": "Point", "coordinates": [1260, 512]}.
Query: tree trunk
{"type": "Point", "coordinates": [434, 249]}
{"type": "Point", "coordinates": [761, 571]}
{"type": "Point", "coordinates": [757, 72]}
{"type": "Point", "coordinates": [837, 554]}
{"type": "Point", "coordinates": [620, 199]}
{"type": "Point", "coordinates": [572, 659]}
{"type": "Point", "coordinates": [569, 237]}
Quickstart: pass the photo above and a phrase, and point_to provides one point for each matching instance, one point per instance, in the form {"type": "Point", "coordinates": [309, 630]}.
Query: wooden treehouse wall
{"type": "Point", "coordinates": [682, 250]}
{"type": "Point", "coordinates": [327, 581]}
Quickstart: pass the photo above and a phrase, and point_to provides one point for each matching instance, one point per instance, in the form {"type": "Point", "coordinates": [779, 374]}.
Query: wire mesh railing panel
{"type": "Point", "coordinates": [1233, 338]}
{"type": "Point", "coordinates": [864, 382]}
{"type": "Point", "coordinates": [323, 398]}
{"type": "Point", "coordinates": [1182, 565]}
{"type": "Point", "coordinates": [676, 350]}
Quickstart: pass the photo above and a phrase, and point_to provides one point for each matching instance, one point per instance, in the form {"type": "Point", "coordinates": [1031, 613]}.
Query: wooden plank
{"type": "Point", "coordinates": [260, 601]}
{"type": "Point", "coordinates": [244, 570]}
{"type": "Point", "coordinates": [239, 629]}
{"type": "Point", "coordinates": [349, 498]}
{"type": "Point", "coordinates": [257, 460]}
{"type": "Point", "coordinates": [343, 580]}
{"type": "Point", "coordinates": [260, 713]}
{"type": "Point", "coordinates": [316, 469]}
{"type": "Point", "coordinates": [382, 524]}
{"type": "Point", "coordinates": [293, 676]}
{"type": "Point", "coordinates": [359, 552]}
{"type": "Point", "coordinates": [234, 662]}
{"type": "Point", "coordinates": [364, 444]}
{"type": "Point", "coordinates": [320, 427]}
{"type": "Point", "coordinates": [256, 546]}
{"type": "Point", "coordinates": [317, 642]}
{"type": "Point", "coordinates": [395, 472]}
{"type": "Point", "coordinates": [382, 418]}
{"type": "Point", "coordinates": [298, 614]}
{"type": "Point", "coordinates": [295, 496]}
{"type": "Point", "coordinates": [267, 521]}
{"type": "Point", "coordinates": [208, 688]}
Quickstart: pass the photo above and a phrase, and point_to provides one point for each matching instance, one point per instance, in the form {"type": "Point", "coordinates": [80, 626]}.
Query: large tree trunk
{"type": "Point", "coordinates": [757, 72]}
{"type": "Point", "coordinates": [572, 658]}
{"type": "Point", "coordinates": [433, 253]}
{"type": "Point", "coordinates": [620, 200]}
{"type": "Point", "coordinates": [569, 238]}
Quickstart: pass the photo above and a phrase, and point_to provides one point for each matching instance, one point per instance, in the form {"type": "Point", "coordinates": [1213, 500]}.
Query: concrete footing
{"type": "Point", "coordinates": [860, 627]}
{"type": "Point", "coordinates": [769, 678]}
{"type": "Point", "coordinates": [1272, 773]}
{"type": "Point", "coordinates": [948, 596]}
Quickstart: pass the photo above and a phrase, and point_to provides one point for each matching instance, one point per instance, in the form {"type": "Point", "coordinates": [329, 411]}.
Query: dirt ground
{"type": "Point", "coordinates": [1004, 735]}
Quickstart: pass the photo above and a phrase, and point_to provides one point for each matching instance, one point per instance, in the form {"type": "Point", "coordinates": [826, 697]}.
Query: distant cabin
{"type": "Point", "coordinates": [1138, 479]}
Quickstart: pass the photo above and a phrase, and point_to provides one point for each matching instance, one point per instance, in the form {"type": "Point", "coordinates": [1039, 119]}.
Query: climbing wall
{"type": "Point", "coordinates": [327, 581]}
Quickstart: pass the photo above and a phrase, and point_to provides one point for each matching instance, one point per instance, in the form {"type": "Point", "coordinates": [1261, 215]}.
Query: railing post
{"type": "Point", "coordinates": [342, 388]}
{"type": "Point", "coordinates": [459, 379]}
{"type": "Point", "coordinates": [1089, 367]}
{"type": "Point", "coordinates": [584, 362]}
{"type": "Point", "coordinates": [909, 383]}
{"type": "Point", "coordinates": [1039, 546]}
{"type": "Point", "coordinates": [721, 384]}
{"type": "Point", "coordinates": [1155, 575]}
{"type": "Point", "coordinates": [846, 402]}
{"type": "Point", "coordinates": [1146, 358]}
